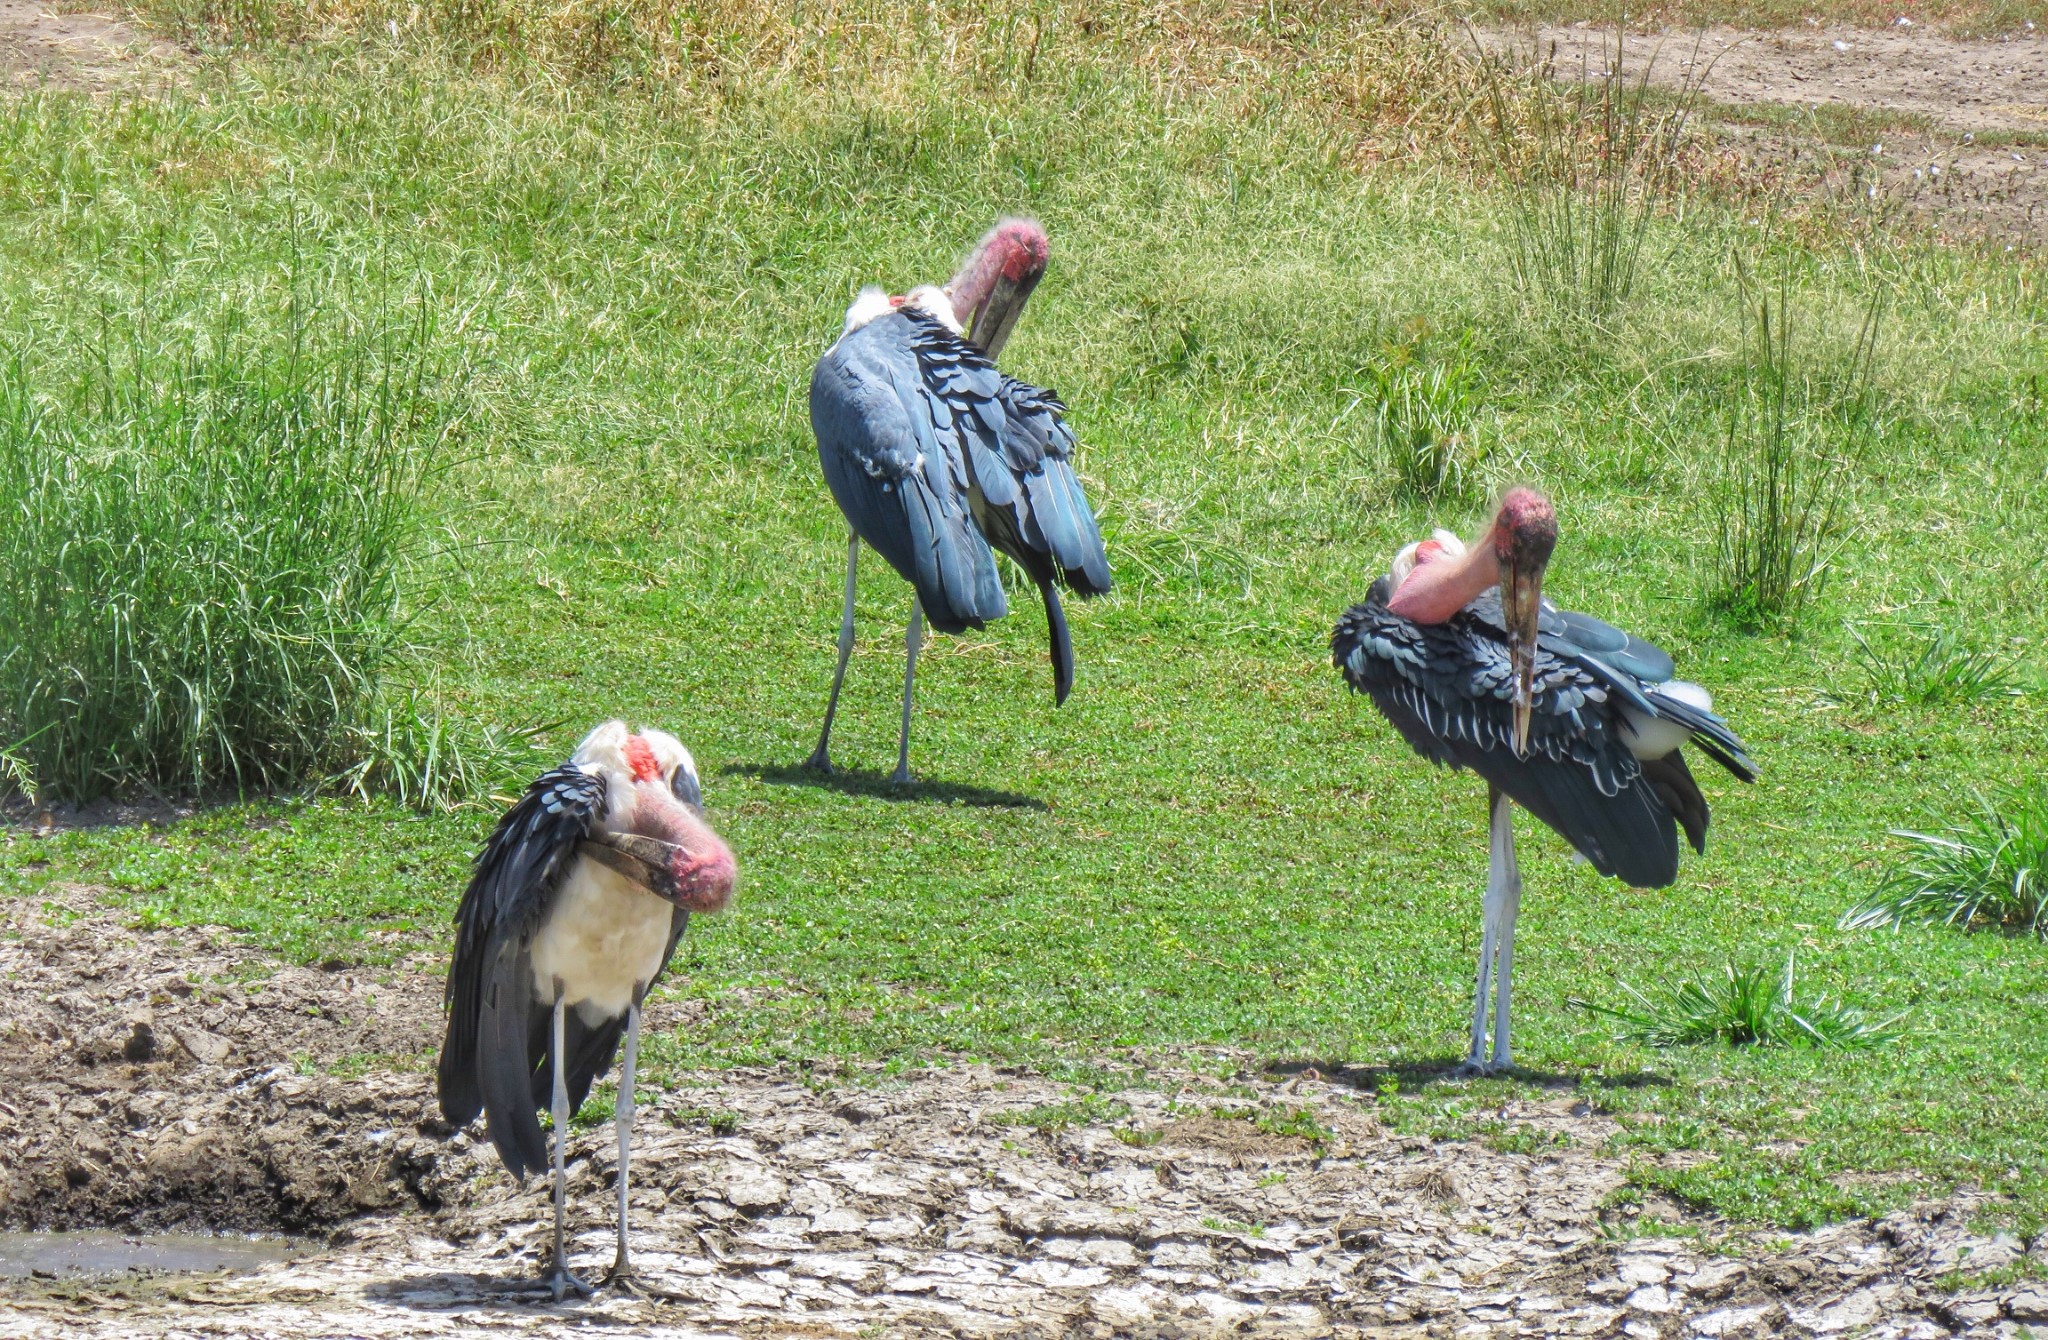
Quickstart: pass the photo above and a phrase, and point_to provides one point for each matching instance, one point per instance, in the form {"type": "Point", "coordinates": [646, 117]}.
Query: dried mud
{"type": "Point", "coordinates": [160, 1078]}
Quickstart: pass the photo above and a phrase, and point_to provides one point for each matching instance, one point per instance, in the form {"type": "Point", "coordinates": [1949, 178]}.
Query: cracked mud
{"type": "Point", "coordinates": [153, 1081]}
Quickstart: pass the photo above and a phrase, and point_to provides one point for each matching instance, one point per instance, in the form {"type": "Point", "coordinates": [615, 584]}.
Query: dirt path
{"type": "Point", "coordinates": [1956, 131]}
{"type": "Point", "coordinates": [161, 1079]}
{"type": "Point", "coordinates": [40, 47]}
{"type": "Point", "coordinates": [1959, 86]}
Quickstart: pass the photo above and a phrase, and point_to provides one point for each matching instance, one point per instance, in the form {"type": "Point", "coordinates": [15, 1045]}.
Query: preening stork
{"type": "Point", "coordinates": [577, 903]}
{"type": "Point", "coordinates": [939, 460]}
{"type": "Point", "coordinates": [1574, 720]}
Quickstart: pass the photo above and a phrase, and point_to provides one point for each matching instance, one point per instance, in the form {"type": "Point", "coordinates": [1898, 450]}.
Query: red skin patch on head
{"type": "Point", "coordinates": [1023, 246]}
{"type": "Point", "coordinates": [897, 299]}
{"type": "Point", "coordinates": [1428, 550]}
{"type": "Point", "coordinates": [1527, 521]}
{"type": "Point", "coordinates": [640, 758]}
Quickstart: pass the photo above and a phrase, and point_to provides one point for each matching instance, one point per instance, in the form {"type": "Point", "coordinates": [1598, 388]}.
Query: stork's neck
{"type": "Point", "coordinates": [1437, 589]}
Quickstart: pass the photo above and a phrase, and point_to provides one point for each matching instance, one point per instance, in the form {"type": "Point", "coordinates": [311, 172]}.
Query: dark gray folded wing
{"type": "Point", "coordinates": [487, 1063]}
{"type": "Point", "coordinates": [902, 485]}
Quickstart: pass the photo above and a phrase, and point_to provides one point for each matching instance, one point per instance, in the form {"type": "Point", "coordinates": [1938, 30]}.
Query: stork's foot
{"type": "Point", "coordinates": [900, 777]}
{"type": "Point", "coordinates": [620, 1279]}
{"type": "Point", "coordinates": [819, 761]}
{"type": "Point", "coordinates": [1476, 1067]}
{"type": "Point", "coordinates": [562, 1282]}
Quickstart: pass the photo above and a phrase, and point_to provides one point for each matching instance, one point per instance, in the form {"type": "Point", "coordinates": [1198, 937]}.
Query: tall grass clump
{"type": "Point", "coordinates": [1991, 870]}
{"type": "Point", "coordinates": [1791, 439]}
{"type": "Point", "coordinates": [1744, 1005]}
{"type": "Point", "coordinates": [1587, 154]}
{"type": "Point", "coordinates": [1425, 419]}
{"type": "Point", "coordinates": [204, 540]}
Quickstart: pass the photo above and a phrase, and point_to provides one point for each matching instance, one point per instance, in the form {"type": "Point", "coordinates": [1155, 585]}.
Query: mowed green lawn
{"type": "Point", "coordinates": [1213, 845]}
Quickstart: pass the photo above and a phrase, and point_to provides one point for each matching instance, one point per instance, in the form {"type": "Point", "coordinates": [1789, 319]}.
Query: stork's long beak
{"type": "Point", "coordinates": [990, 324]}
{"type": "Point", "coordinates": [1521, 599]}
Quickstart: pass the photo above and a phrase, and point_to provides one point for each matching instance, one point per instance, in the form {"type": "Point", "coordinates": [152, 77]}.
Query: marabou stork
{"type": "Point", "coordinates": [938, 460]}
{"type": "Point", "coordinates": [1574, 720]}
{"type": "Point", "coordinates": [577, 903]}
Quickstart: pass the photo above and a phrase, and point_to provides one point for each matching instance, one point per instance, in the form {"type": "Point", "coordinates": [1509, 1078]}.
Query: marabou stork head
{"type": "Point", "coordinates": [1523, 535]}
{"type": "Point", "coordinates": [653, 830]}
{"type": "Point", "coordinates": [980, 303]}
{"type": "Point", "coordinates": [989, 290]}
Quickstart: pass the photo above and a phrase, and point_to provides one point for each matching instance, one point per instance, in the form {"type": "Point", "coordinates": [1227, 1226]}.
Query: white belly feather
{"type": "Point", "coordinates": [1654, 737]}
{"type": "Point", "coordinates": [604, 937]}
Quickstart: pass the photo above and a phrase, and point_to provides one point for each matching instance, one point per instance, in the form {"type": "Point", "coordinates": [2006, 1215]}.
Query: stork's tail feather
{"type": "Point", "coordinates": [1062, 644]}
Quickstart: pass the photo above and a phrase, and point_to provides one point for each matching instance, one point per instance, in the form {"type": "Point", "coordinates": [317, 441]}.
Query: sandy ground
{"type": "Point", "coordinates": [171, 1079]}
{"type": "Point", "coordinates": [40, 47]}
{"type": "Point", "coordinates": [1945, 96]}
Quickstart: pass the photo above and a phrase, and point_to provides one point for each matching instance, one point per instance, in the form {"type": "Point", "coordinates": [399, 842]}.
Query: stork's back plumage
{"type": "Point", "coordinates": [937, 458]}
{"type": "Point", "coordinates": [1448, 688]}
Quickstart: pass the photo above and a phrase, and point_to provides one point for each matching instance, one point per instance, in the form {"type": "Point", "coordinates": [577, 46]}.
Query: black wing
{"type": "Point", "coordinates": [1448, 689]}
{"type": "Point", "coordinates": [486, 1060]}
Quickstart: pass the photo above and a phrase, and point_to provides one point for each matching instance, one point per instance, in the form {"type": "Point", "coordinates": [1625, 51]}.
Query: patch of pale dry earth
{"type": "Point", "coordinates": [42, 47]}
{"type": "Point", "coordinates": [1969, 151]}
{"type": "Point", "coordinates": [169, 1078]}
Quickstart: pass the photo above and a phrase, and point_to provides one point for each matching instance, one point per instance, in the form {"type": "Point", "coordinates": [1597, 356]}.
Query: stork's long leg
{"type": "Point", "coordinates": [621, 1275]}
{"type": "Point", "coordinates": [913, 638]}
{"type": "Point", "coordinates": [1503, 842]}
{"type": "Point", "coordinates": [1499, 867]}
{"type": "Point", "coordinates": [820, 758]}
{"type": "Point", "coordinates": [559, 1277]}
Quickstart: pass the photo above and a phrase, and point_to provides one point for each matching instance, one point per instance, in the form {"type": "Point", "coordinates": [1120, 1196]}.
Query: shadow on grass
{"type": "Point", "coordinates": [876, 784]}
{"type": "Point", "coordinates": [1414, 1076]}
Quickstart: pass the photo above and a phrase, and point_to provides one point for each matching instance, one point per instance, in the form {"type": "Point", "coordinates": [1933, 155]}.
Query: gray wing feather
{"type": "Point", "coordinates": [900, 482]}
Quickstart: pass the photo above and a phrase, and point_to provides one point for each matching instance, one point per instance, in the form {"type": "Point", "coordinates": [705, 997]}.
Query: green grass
{"type": "Point", "coordinates": [204, 530]}
{"type": "Point", "coordinates": [1212, 847]}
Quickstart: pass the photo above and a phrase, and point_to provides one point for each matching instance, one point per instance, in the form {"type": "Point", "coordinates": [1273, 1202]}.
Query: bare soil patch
{"type": "Point", "coordinates": [1898, 120]}
{"type": "Point", "coordinates": [43, 48]}
{"type": "Point", "coordinates": [158, 1078]}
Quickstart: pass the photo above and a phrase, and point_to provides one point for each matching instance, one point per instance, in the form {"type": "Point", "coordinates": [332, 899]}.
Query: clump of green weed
{"type": "Point", "coordinates": [1745, 1005]}
{"type": "Point", "coordinates": [1929, 668]}
{"type": "Point", "coordinates": [205, 538]}
{"type": "Point", "coordinates": [1789, 445]}
{"type": "Point", "coordinates": [409, 748]}
{"type": "Point", "coordinates": [1990, 870]}
{"type": "Point", "coordinates": [1425, 418]}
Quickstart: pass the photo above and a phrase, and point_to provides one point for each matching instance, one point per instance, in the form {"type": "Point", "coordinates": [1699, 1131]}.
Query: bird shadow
{"type": "Point", "coordinates": [880, 786]}
{"type": "Point", "coordinates": [440, 1291]}
{"type": "Point", "coordinates": [1414, 1076]}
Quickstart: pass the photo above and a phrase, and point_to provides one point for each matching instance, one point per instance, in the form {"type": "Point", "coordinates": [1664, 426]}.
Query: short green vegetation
{"type": "Point", "coordinates": [626, 248]}
{"type": "Point", "coordinates": [1743, 1005]}
{"type": "Point", "coordinates": [1991, 870]}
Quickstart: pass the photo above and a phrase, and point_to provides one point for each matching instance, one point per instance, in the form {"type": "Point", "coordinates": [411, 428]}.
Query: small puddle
{"type": "Point", "coordinates": [52, 1255]}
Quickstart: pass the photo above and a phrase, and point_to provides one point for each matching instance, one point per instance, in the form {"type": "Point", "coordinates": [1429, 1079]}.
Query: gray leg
{"type": "Point", "coordinates": [621, 1276]}
{"type": "Point", "coordinates": [559, 1277]}
{"type": "Point", "coordinates": [819, 758]}
{"type": "Point", "coordinates": [1511, 901]}
{"type": "Point", "coordinates": [913, 638]}
{"type": "Point", "coordinates": [1497, 864]}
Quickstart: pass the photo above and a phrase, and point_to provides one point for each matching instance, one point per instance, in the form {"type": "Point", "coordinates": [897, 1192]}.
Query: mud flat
{"type": "Point", "coordinates": [170, 1080]}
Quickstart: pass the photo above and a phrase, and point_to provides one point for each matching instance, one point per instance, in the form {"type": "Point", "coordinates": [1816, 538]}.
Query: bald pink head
{"type": "Point", "coordinates": [990, 288]}
{"type": "Point", "coordinates": [1524, 529]}
{"type": "Point", "coordinates": [1523, 533]}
